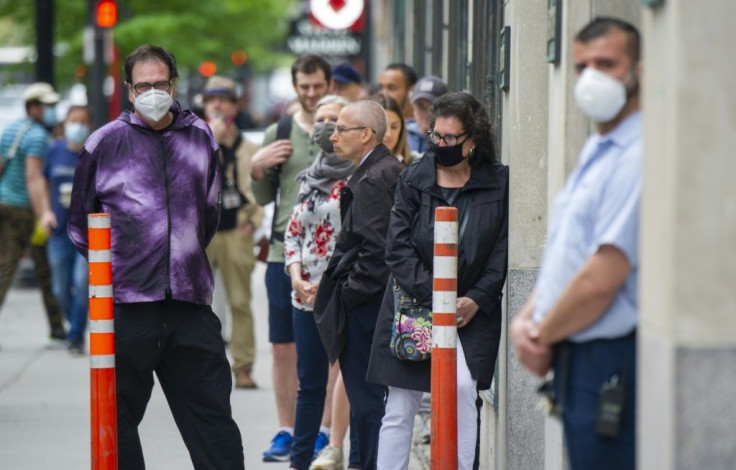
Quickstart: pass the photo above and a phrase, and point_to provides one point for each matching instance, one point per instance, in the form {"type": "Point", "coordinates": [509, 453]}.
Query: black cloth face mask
{"type": "Point", "coordinates": [447, 156]}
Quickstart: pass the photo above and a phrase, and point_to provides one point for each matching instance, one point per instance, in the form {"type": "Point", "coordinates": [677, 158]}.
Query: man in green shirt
{"type": "Point", "coordinates": [273, 171]}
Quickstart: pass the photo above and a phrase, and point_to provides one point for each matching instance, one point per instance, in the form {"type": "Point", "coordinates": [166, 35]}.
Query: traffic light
{"type": "Point", "coordinates": [106, 14]}
{"type": "Point", "coordinates": [207, 68]}
{"type": "Point", "coordinates": [239, 57]}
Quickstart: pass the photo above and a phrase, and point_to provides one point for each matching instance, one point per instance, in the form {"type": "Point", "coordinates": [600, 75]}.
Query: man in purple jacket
{"type": "Point", "coordinates": [155, 171]}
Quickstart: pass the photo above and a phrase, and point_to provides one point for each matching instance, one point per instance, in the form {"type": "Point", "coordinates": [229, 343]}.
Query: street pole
{"type": "Point", "coordinates": [99, 72]}
{"type": "Point", "coordinates": [44, 69]}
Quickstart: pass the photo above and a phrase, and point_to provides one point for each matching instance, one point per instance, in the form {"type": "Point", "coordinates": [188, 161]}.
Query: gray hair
{"type": "Point", "coordinates": [372, 115]}
{"type": "Point", "coordinates": [329, 99]}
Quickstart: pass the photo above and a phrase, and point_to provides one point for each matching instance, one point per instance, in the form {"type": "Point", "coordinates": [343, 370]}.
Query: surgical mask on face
{"type": "Point", "coordinates": [600, 96]}
{"type": "Point", "coordinates": [76, 132]}
{"type": "Point", "coordinates": [321, 137]}
{"type": "Point", "coordinates": [449, 155]}
{"type": "Point", "coordinates": [153, 104]}
{"type": "Point", "coordinates": [49, 116]}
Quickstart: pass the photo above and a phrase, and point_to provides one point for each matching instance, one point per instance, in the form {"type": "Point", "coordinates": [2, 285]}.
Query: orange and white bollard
{"type": "Point", "coordinates": [443, 454]}
{"type": "Point", "coordinates": [103, 400]}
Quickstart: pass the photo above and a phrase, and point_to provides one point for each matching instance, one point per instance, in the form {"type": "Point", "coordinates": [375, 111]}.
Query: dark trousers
{"type": "Point", "coordinates": [181, 342]}
{"type": "Point", "coordinates": [312, 368]}
{"type": "Point", "coordinates": [366, 398]}
{"type": "Point", "coordinates": [591, 364]}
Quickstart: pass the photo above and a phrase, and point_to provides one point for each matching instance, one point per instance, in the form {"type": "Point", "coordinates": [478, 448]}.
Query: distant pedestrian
{"type": "Point", "coordinates": [155, 171]}
{"type": "Point", "coordinates": [396, 138]}
{"type": "Point", "coordinates": [23, 192]}
{"type": "Point", "coordinates": [461, 170]}
{"type": "Point", "coordinates": [348, 83]}
{"type": "Point", "coordinates": [397, 81]}
{"type": "Point", "coordinates": [351, 289]}
{"type": "Point", "coordinates": [231, 249]}
{"type": "Point", "coordinates": [584, 307]}
{"type": "Point", "coordinates": [288, 149]}
{"type": "Point", "coordinates": [69, 271]}
{"type": "Point", "coordinates": [426, 91]}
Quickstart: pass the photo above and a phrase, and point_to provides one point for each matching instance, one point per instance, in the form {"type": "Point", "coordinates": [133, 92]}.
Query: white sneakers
{"type": "Point", "coordinates": [330, 458]}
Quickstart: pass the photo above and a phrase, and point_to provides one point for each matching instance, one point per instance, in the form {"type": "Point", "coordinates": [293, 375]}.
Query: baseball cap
{"type": "Point", "coordinates": [346, 73]}
{"type": "Point", "coordinates": [429, 88]}
{"type": "Point", "coordinates": [42, 92]}
{"type": "Point", "coordinates": [219, 86]}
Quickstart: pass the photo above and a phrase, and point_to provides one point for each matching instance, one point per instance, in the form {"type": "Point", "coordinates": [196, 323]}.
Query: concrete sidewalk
{"type": "Point", "coordinates": [44, 399]}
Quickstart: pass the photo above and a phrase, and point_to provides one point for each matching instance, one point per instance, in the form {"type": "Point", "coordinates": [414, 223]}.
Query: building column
{"type": "Point", "coordinates": [687, 334]}
{"type": "Point", "coordinates": [520, 429]}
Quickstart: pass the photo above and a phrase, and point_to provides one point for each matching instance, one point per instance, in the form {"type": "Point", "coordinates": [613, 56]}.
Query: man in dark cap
{"type": "Point", "coordinates": [426, 91]}
{"type": "Point", "coordinates": [347, 82]}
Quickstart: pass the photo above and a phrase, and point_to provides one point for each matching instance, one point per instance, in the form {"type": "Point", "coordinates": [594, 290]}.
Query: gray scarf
{"type": "Point", "coordinates": [324, 172]}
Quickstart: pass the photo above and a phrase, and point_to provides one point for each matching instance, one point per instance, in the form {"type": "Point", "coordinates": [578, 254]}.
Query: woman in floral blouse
{"type": "Point", "coordinates": [308, 244]}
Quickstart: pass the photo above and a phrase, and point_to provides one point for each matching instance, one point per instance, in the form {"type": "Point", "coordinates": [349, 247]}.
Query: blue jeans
{"type": "Point", "coordinates": [312, 368]}
{"type": "Point", "coordinates": [70, 283]}
{"type": "Point", "coordinates": [278, 288]}
{"type": "Point", "coordinates": [591, 364]}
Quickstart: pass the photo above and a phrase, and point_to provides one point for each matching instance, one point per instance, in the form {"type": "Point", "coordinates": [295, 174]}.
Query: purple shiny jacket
{"type": "Point", "coordinates": [161, 189]}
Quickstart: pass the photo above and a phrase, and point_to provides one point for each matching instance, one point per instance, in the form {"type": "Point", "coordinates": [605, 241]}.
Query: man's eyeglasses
{"type": "Point", "coordinates": [163, 85]}
{"type": "Point", "coordinates": [341, 129]}
{"type": "Point", "coordinates": [450, 139]}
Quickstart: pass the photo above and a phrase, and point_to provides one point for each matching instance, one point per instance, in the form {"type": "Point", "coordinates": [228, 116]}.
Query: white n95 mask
{"type": "Point", "coordinates": [599, 96]}
{"type": "Point", "coordinates": [153, 104]}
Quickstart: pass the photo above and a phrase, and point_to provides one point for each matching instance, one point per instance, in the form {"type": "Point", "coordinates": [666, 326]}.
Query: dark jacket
{"type": "Point", "coordinates": [162, 191]}
{"type": "Point", "coordinates": [357, 272]}
{"type": "Point", "coordinates": [482, 264]}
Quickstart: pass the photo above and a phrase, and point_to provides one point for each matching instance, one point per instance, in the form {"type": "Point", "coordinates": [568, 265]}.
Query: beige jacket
{"type": "Point", "coordinates": [251, 212]}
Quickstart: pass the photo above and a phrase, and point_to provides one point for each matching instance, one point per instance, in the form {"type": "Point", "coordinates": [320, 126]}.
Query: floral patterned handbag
{"type": "Point", "coordinates": [411, 332]}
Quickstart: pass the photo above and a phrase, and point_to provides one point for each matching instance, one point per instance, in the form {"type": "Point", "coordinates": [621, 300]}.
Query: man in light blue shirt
{"type": "Point", "coordinates": [584, 306]}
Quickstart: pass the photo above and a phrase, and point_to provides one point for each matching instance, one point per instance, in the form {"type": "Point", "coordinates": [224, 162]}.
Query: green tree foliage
{"type": "Point", "coordinates": [193, 30]}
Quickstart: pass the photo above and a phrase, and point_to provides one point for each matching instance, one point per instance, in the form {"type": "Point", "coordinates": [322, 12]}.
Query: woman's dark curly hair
{"type": "Point", "coordinates": [474, 118]}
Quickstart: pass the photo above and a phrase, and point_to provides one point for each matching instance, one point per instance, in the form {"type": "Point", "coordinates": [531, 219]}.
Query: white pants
{"type": "Point", "coordinates": [394, 440]}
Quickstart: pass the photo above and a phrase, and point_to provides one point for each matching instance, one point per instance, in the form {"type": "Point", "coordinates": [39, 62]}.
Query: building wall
{"type": "Point", "coordinates": [525, 149]}
{"type": "Point", "coordinates": [687, 332]}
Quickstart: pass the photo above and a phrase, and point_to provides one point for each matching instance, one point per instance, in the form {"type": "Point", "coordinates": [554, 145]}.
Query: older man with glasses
{"type": "Point", "coordinates": [352, 288]}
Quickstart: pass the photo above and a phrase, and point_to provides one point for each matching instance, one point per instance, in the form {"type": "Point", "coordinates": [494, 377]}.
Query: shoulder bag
{"type": "Point", "coordinates": [411, 332]}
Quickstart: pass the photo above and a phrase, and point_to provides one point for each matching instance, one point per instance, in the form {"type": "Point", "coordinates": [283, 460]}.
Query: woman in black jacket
{"type": "Point", "coordinates": [460, 169]}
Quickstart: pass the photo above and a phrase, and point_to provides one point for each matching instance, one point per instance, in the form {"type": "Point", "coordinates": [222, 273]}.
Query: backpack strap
{"type": "Point", "coordinates": [14, 146]}
{"type": "Point", "coordinates": [283, 131]}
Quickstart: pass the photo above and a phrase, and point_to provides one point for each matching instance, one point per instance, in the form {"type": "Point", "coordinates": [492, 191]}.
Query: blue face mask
{"type": "Point", "coordinates": [49, 117]}
{"type": "Point", "coordinates": [76, 132]}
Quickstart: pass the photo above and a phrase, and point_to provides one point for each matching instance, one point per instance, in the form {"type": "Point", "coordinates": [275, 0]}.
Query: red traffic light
{"type": "Point", "coordinates": [106, 14]}
{"type": "Point", "coordinates": [207, 68]}
{"type": "Point", "coordinates": [239, 57]}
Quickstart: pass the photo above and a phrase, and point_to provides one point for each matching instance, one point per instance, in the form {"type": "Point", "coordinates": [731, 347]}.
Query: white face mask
{"type": "Point", "coordinates": [153, 104]}
{"type": "Point", "coordinates": [600, 96]}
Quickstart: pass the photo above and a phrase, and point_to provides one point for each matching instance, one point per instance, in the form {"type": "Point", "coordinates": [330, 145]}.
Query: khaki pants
{"type": "Point", "coordinates": [232, 254]}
